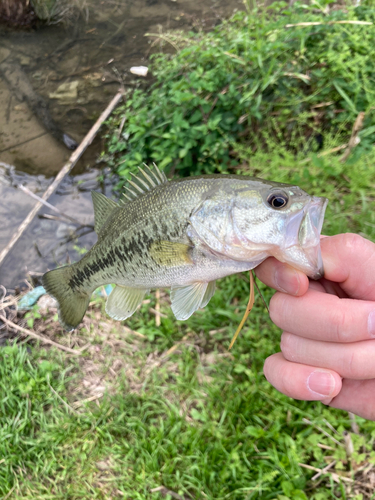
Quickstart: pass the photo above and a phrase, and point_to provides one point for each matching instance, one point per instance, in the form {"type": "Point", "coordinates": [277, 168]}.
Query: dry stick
{"type": "Point", "coordinates": [325, 153]}
{"type": "Point", "coordinates": [48, 205]}
{"type": "Point", "coordinates": [307, 421]}
{"type": "Point", "coordinates": [157, 308]}
{"type": "Point", "coordinates": [354, 139]}
{"type": "Point", "coordinates": [329, 23]}
{"type": "Point", "coordinates": [42, 339]}
{"type": "Point", "coordinates": [353, 423]}
{"type": "Point", "coordinates": [63, 172]}
{"type": "Point", "coordinates": [247, 312]}
{"type": "Point", "coordinates": [323, 471]}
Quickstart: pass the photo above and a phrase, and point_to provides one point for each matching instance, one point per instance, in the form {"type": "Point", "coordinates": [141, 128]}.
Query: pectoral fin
{"type": "Point", "coordinates": [168, 253]}
{"type": "Point", "coordinates": [187, 299]}
{"type": "Point", "coordinates": [123, 301]}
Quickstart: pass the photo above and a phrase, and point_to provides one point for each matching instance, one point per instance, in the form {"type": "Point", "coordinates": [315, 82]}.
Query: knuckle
{"type": "Point", "coordinates": [286, 346]}
{"type": "Point", "coordinates": [339, 320]}
{"type": "Point", "coordinates": [354, 242]}
{"type": "Point", "coordinates": [353, 368]}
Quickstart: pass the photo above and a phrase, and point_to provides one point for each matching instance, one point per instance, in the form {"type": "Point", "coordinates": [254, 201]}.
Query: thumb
{"type": "Point", "coordinates": [349, 260]}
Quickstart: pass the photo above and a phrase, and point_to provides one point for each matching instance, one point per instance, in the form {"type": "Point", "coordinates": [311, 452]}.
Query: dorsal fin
{"type": "Point", "coordinates": [145, 180]}
{"type": "Point", "coordinates": [103, 207]}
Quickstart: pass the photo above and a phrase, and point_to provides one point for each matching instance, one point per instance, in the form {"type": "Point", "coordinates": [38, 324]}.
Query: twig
{"type": "Point", "coordinates": [299, 76]}
{"type": "Point", "coordinates": [353, 423]}
{"type": "Point", "coordinates": [349, 447]}
{"type": "Point", "coordinates": [219, 330]}
{"type": "Point", "coordinates": [163, 37]}
{"type": "Point", "coordinates": [325, 153]}
{"type": "Point", "coordinates": [235, 56]}
{"type": "Point", "coordinates": [165, 491]}
{"type": "Point", "coordinates": [325, 447]}
{"type": "Point", "coordinates": [354, 139]}
{"type": "Point", "coordinates": [61, 399]}
{"type": "Point", "coordinates": [121, 126]}
{"type": "Point", "coordinates": [247, 311]}
{"type": "Point", "coordinates": [61, 219]}
{"type": "Point", "coordinates": [42, 339]}
{"type": "Point", "coordinates": [175, 347]}
{"type": "Point", "coordinates": [323, 471]}
{"type": "Point", "coordinates": [336, 477]}
{"type": "Point", "coordinates": [63, 172]}
{"type": "Point", "coordinates": [328, 24]}
{"type": "Point", "coordinates": [306, 421]}
{"type": "Point", "coordinates": [157, 308]}
{"type": "Point", "coordinates": [77, 404]}
{"type": "Point", "coordinates": [158, 314]}
{"type": "Point", "coordinates": [48, 205]}
{"type": "Point", "coordinates": [134, 332]}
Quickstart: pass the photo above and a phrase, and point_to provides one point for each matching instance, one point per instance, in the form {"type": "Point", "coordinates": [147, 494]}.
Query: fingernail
{"type": "Point", "coordinates": [287, 280]}
{"type": "Point", "coordinates": [321, 383]}
{"type": "Point", "coordinates": [371, 324]}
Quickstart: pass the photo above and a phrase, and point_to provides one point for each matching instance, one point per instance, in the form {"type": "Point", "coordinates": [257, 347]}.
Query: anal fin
{"type": "Point", "coordinates": [187, 299]}
{"type": "Point", "coordinates": [123, 301]}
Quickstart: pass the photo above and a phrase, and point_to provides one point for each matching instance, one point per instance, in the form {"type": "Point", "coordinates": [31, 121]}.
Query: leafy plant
{"type": "Point", "coordinates": [260, 70]}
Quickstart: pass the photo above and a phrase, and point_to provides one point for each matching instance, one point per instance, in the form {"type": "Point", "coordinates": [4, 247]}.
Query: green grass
{"type": "Point", "coordinates": [202, 422]}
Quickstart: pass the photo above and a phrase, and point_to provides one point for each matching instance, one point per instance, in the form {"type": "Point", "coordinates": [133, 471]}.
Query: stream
{"type": "Point", "coordinates": [74, 71]}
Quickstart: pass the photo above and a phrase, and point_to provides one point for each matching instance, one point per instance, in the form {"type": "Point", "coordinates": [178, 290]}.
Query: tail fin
{"type": "Point", "coordinates": [72, 304]}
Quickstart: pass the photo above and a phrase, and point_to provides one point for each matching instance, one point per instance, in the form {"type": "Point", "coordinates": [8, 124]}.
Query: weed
{"type": "Point", "coordinates": [252, 74]}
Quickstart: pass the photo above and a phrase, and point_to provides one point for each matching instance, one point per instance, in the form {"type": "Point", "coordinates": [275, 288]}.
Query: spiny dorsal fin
{"type": "Point", "coordinates": [103, 206]}
{"type": "Point", "coordinates": [145, 180]}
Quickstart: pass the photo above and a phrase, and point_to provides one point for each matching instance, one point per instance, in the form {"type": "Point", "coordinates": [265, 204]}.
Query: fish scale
{"type": "Point", "coordinates": [184, 235]}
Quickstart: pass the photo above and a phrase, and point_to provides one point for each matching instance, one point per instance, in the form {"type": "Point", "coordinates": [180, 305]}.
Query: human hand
{"type": "Point", "coordinates": [328, 342]}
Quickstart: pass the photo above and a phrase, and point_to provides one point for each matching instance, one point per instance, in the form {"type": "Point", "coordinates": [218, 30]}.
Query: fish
{"type": "Point", "coordinates": [184, 235]}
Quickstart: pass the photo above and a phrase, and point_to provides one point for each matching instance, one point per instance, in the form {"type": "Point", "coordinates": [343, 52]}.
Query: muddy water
{"type": "Point", "coordinates": [76, 69]}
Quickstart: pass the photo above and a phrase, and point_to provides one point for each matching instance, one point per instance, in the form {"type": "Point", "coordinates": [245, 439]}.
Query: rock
{"type": "Point", "coordinates": [139, 70]}
{"type": "Point", "coordinates": [66, 91]}
{"type": "Point", "coordinates": [47, 302]}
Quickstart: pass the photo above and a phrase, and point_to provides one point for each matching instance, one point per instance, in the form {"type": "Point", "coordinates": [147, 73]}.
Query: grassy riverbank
{"type": "Point", "coordinates": [151, 412]}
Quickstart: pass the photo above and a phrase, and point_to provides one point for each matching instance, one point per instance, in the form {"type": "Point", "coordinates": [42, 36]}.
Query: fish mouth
{"type": "Point", "coordinates": [309, 237]}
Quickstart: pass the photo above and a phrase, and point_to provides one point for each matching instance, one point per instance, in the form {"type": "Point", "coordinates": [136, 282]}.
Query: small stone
{"type": "Point", "coordinates": [66, 91]}
{"type": "Point", "coordinates": [139, 70]}
{"type": "Point", "coordinates": [46, 302]}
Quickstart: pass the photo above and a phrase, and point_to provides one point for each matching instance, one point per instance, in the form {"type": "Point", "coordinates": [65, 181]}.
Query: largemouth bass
{"type": "Point", "coordinates": [184, 235]}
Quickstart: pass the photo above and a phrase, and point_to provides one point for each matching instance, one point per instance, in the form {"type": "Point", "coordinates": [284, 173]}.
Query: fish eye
{"type": "Point", "coordinates": [277, 200]}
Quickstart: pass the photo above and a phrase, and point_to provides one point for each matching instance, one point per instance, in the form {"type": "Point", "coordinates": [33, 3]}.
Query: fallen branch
{"type": "Point", "coordinates": [63, 172]}
{"type": "Point", "coordinates": [42, 339]}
